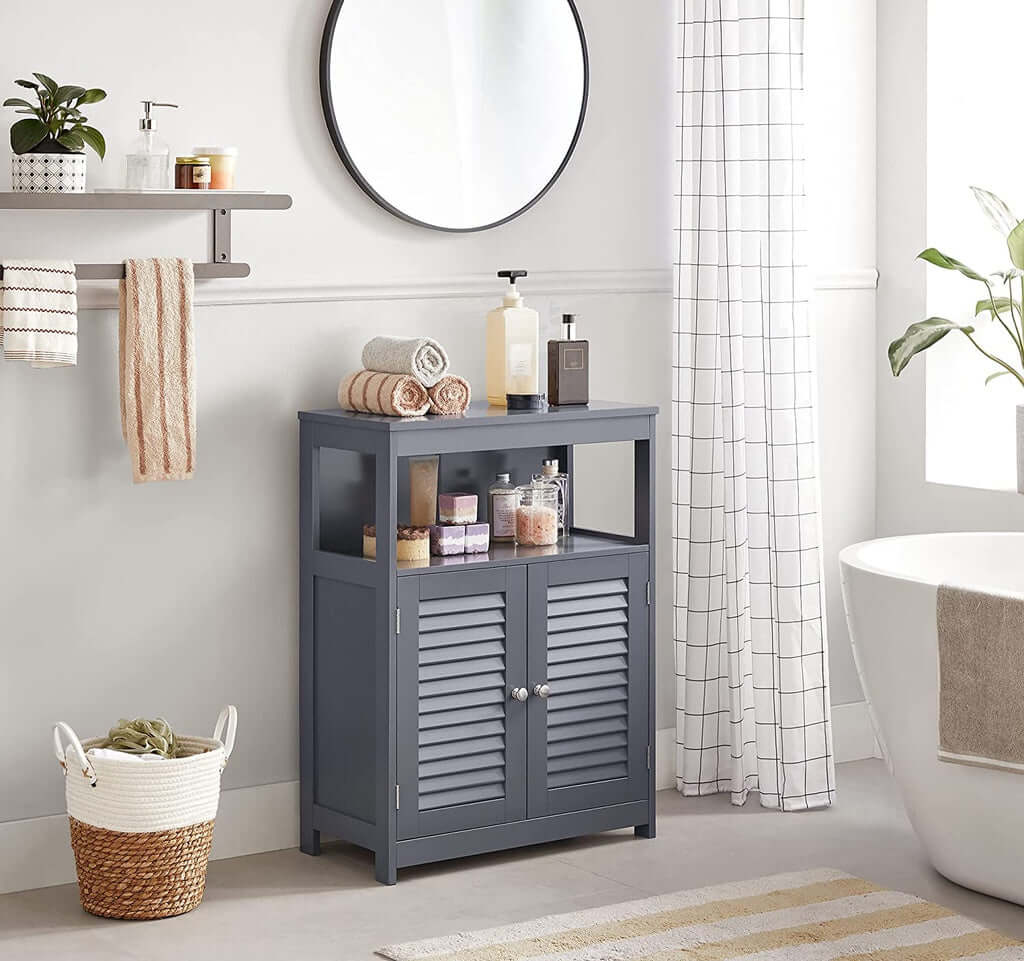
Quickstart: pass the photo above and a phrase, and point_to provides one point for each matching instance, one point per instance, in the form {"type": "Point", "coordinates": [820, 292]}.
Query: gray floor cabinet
{"type": "Point", "coordinates": [479, 702]}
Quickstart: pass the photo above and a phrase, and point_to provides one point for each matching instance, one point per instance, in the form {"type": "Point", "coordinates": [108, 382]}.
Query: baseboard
{"type": "Point", "coordinates": [853, 735]}
{"type": "Point", "coordinates": [219, 293]}
{"type": "Point", "coordinates": [36, 852]}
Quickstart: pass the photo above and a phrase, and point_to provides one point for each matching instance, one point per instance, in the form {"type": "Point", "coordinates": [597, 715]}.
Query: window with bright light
{"type": "Point", "coordinates": [975, 137]}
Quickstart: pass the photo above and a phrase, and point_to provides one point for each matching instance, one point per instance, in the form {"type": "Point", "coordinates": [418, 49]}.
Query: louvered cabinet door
{"type": "Point", "coordinates": [588, 642]}
{"type": "Point", "coordinates": [461, 735]}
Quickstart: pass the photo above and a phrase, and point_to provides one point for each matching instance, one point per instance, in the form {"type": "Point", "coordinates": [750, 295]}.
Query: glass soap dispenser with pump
{"type": "Point", "coordinates": [148, 165]}
{"type": "Point", "coordinates": [513, 351]}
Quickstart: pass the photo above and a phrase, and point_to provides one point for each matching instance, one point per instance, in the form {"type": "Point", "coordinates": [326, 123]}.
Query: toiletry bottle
{"type": "Point", "coordinates": [550, 474]}
{"type": "Point", "coordinates": [148, 166]}
{"type": "Point", "coordinates": [501, 509]}
{"type": "Point", "coordinates": [513, 349]}
{"type": "Point", "coordinates": [568, 366]}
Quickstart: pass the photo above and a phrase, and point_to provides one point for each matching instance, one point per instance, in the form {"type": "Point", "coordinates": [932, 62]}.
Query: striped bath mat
{"type": "Point", "coordinates": [820, 915]}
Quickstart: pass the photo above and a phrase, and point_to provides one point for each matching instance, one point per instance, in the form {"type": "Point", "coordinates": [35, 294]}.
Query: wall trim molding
{"type": "Point", "coordinates": [250, 820]}
{"type": "Point", "coordinates": [99, 295]}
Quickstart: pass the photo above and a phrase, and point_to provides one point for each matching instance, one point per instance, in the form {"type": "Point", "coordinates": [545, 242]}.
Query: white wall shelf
{"type": "Point", "coordinates": [219, 203]}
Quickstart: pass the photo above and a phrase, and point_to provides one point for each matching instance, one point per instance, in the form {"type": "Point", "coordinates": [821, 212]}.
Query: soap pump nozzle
{"type": "Point", "coordinates": [147, 122]}
{"type": "Point", "coordinates": [512, 296]}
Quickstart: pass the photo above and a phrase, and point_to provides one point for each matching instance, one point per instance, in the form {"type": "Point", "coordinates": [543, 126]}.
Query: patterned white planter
{"type": "Point", "coordinates": [51, 173]}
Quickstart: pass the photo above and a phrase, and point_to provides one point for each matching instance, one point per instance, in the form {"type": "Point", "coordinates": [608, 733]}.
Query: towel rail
{"type": "Point", "coordinates": [219, 205]}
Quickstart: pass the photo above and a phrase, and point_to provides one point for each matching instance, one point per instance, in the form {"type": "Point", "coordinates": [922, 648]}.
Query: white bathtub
{"type": "Point", "coordinates": [970, 820]}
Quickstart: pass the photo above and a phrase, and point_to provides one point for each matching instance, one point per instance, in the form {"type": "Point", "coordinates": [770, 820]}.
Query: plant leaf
{"type": "Point", "coordinates": [996, 211]}
{"type": "Point", "coordinates": [918, 337]}
{"type": "Point", "coordinates": [26, 134]}
{"type": "Point", "coordinates": [933, 256]}
{"type": "Point", "coordinates": [46, 81]}
{"type": "Point", "coordinates": [16, 102]}
{"type": "Point", "coordinates": [1015, 244]}
{"type": "Point", "coordinates": [92, 95]}
{"type": "Point", "coordinates": [92, 137]}
{"type": "Point", "coordinates": [71, 140]}
{"type": "Point", "coordinates": [992, 377]}
{"type": "Point", "coordinates": [27, 83]}
{"type": "Point", "coordinates": [1001, 304]}
{"type": "Point", "coordinates": [67, 93]}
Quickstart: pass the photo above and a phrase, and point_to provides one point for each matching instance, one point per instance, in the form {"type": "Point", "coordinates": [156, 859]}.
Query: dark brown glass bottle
{"type": "Point", "coordinates": [568, 367]}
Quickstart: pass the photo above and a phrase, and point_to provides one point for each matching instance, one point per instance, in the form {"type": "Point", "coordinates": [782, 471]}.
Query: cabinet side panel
{"type": "Point", "coordinates": [346, 735]}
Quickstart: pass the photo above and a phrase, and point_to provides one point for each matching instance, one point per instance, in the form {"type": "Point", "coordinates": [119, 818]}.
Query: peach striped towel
{"type": "Point", "coordinates": [377, 392]}
{"type": "Point", "coordinates": [39, 312]}
{"type": "Point", "coordinates": [156, 367]}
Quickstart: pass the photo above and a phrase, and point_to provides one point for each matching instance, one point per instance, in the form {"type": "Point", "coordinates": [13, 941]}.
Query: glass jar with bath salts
{"type": "Point", "coordinates": [537, 515]}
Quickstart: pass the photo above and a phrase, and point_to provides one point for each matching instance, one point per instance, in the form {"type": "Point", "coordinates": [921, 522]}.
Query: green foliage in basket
{"type": "Point", "coordinates": [57, 118]}
{"type": "Point", "coordinates": [143, 736]}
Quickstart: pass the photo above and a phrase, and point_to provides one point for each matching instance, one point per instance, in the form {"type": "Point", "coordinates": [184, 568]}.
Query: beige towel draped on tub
{"type": "Point", "coordinates": [981, 678]}
{"type": "Point", "coordinates": [156, 366]}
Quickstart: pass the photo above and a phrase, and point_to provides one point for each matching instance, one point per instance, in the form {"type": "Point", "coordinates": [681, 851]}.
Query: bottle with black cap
{"type": "Point", "coordinates": [513, 351]}
{"type": "Point", "coordinates": [568, 366]}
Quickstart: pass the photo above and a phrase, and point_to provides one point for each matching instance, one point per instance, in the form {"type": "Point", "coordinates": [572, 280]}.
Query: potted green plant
{"type": "Point", "coordinates": [999, 304]}
{"type": "Point", "coordinates": [49, 144]}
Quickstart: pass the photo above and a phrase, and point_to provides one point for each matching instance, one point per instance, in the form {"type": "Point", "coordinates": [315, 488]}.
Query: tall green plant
{"type": "Point", "coordinates": [57, 116]}
{"type": "Point", "coordinates": [1004, 309]}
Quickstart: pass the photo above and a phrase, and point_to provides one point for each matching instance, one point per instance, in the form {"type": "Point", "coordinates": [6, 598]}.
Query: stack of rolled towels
{"type": "Point", "coordinates": [404, 377]}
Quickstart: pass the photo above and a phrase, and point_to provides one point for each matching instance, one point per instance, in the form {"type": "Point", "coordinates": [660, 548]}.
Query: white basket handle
{"type": "Point", "coordinates": [74, 745]}
{"type": "Point", "coordinates": [228, 719]}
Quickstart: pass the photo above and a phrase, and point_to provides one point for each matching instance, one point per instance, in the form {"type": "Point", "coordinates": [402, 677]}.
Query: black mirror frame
{"type": "Point", "coordinates": [346, 159]}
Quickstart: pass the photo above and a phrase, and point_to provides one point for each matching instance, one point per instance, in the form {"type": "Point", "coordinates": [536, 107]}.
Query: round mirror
{"type": "Point", "coordinates": [454, 114]}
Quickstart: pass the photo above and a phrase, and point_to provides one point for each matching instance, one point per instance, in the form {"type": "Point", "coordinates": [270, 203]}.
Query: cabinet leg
{"type": "Point", "coordinates": [309, 840]}
{"type": "Point", "coordinates": [385, 867]}
{"type": "Point", "coordinates": [644, 830]}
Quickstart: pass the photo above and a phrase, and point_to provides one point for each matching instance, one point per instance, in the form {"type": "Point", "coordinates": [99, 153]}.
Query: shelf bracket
{"type": "Point", "coordinates": [221, 235]}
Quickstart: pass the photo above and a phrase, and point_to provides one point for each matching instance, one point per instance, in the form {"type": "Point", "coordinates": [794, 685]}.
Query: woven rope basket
{"type": "Point", "coordinates": [141, 830]}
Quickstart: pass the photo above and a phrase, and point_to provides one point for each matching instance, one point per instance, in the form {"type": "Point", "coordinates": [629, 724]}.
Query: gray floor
{"type": "Point", "coordinates": [287, 905]}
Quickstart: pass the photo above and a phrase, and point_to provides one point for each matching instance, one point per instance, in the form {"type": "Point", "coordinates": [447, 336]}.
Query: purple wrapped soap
{"type": "Point", "coordinates": [456, 508]}
{"type": "Point", "coordinates": [477, 539]}
{"type": "Point", "coordinates": [447, 539]}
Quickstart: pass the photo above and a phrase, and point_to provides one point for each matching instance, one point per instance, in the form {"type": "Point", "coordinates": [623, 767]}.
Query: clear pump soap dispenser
{"type": "Point", "coordinates": [513, 346]}
{"type": "Point", "coordinates": [148, 166]}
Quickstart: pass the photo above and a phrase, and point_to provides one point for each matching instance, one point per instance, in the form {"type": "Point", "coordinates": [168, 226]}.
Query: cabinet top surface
{"type": "Point", "coordinates": [478, 415]}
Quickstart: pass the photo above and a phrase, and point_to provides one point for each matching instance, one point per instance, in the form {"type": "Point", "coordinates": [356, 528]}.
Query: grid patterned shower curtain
{"type": "Point", "coordinates": [751, 656]}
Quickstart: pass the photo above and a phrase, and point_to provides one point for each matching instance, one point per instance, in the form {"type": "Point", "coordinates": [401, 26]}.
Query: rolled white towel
{"type": "Point", "coordinates": [422, 357]}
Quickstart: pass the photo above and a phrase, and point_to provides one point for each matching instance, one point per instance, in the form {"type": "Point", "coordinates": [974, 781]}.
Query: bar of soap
{"type": "Point", "coordinates": [456, 508]}
{"type": "Point", "coordinates": [447, 539]}
{"type": "Point", "coordinates": [413, 543]}
{"type": "Point", "coordinates": [478, 538]}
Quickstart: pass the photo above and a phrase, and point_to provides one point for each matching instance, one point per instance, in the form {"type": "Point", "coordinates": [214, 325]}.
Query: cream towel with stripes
{"type": "Point", "coordinates": [39, 312]}
{"type": "Point", "coordinates": [156, 366]}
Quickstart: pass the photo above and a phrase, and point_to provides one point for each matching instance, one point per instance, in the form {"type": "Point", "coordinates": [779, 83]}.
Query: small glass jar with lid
{"type": "Point", "coordinates": [537, 515]}
{"type": "Point", "coordinates": [192, 173]}
{"type": "Point", "coordinates": [550, 474]}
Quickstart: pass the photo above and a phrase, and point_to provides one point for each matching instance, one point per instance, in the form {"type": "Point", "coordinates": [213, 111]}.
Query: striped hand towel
{"type": "Point", "coordinates": [39, 312]}
{"type": "Point", "coordinates": [156, 367]}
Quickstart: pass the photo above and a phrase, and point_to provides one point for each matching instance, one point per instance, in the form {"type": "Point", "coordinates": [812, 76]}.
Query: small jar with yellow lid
{"type": "Point", "coordinates": [192, 173]}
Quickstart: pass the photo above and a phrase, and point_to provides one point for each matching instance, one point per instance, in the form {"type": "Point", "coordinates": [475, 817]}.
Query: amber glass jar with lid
{"type": "Point", "coordinates": [192, 173]}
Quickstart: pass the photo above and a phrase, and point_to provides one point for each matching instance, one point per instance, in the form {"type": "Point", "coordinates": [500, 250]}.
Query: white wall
{"type": "Point", "coordinates": [175, 598]}
{"type": "Point", "coordinates": [906, 501]}
{"type": "Point", "coordinates": [839, 79]}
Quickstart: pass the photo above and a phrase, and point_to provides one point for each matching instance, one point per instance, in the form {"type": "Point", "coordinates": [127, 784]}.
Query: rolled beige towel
{"type": "Point", "coordinates": [450, 395]}
{"type": "Point", "coordinates": [376, 392]}
{"type": "Point", "coordinates": [422, 357]}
